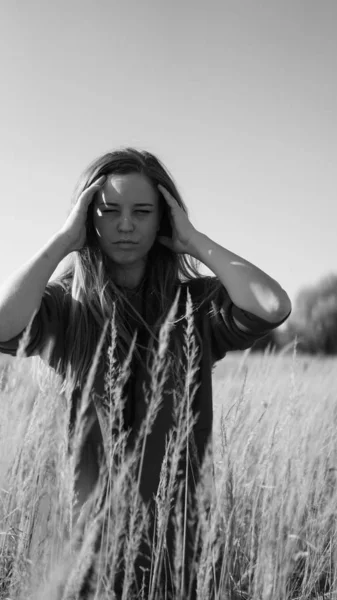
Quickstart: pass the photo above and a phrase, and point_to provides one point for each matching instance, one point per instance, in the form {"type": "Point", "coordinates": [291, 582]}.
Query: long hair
{"type": "Point", "coordinates": [92, 291]}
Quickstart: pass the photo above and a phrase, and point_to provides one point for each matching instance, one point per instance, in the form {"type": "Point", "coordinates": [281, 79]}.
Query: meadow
{"type": "Point", "coordinates": [269, 530]}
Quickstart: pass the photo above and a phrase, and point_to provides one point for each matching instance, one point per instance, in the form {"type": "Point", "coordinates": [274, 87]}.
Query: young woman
{"type": "Point", "coordinates": [132, 248]}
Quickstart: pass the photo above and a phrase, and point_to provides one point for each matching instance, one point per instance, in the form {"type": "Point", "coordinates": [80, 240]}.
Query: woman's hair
{"type": "Point", "coordinates": [92, 291]}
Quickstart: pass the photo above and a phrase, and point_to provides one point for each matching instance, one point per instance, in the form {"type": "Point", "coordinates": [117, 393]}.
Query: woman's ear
{"type": "Point", "coordinates": [91, 233]}
{"type": "Point", "coordinates": [160, 210]}
{"type": "Point", "coordinates": [165, 228]}
{"type": "Point", "coordinates": [161, 202]}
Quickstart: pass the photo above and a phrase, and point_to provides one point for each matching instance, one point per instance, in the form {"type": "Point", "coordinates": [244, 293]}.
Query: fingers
{"type": "Point", "coordinates": [168, 197]}
{"type": "Point", "coordinates": [99, 181]}
{"type": "Point", "coordinates": [88, 194]}
{"type": "Point", "coordinates": [97, 185]}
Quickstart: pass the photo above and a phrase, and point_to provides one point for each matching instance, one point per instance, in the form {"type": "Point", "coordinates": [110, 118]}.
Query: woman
{"type": "Point", "coordinates": [133, 248]}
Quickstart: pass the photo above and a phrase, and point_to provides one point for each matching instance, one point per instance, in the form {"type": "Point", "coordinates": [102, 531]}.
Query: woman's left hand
{"type": "Point", "coordinates": [183, 232]}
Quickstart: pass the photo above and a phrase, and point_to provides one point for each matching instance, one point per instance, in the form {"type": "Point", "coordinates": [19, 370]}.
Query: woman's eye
{"type": "Point", "coordinates": [138, 211]}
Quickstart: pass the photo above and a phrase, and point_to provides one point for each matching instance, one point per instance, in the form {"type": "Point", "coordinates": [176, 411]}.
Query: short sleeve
{"type": "Point", "coordinates": [46, 337]}
{"type": "Point", "coordinates": [221, 313]}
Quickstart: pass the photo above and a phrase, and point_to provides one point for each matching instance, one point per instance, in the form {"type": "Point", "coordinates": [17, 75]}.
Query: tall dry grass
{"type": "Point", "coordinates": [265, 526]}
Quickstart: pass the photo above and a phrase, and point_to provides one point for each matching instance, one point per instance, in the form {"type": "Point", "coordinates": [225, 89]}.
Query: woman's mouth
{"type": "Point", "coordinates": [125, 244]}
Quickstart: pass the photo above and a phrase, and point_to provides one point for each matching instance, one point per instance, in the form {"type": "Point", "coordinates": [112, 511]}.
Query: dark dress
{"type": "Point", "coordinates": [219, 334]}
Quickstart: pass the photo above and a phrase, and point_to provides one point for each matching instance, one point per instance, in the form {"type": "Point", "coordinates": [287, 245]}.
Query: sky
{"type": "Point", "coordinates": [237, 98]}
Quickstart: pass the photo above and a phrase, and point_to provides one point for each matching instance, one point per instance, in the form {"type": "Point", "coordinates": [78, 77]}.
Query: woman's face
{"type": "Point", "coordinates": [126, 208]}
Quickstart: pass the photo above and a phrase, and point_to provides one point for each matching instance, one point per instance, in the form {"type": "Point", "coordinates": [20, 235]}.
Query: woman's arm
{"type": "Point", "coordinates": [248, 287]}
{"type": "Point", "coordinates": [21, 294]}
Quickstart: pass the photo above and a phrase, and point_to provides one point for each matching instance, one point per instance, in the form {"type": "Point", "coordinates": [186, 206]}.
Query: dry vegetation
{"type": "Point", "coordinates": [271, 527]}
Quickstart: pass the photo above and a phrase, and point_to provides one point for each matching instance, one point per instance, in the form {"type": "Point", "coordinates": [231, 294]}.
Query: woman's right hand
{"type": "Point", "coordinates": [74, 230]}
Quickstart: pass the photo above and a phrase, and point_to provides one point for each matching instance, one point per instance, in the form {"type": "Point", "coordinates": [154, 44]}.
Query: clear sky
{"type": "Point", "coordinates": [238, 98]}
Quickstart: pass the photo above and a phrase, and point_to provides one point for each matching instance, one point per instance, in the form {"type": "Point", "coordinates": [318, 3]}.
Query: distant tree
{"type": "Point", "coordinates": [314, 318]}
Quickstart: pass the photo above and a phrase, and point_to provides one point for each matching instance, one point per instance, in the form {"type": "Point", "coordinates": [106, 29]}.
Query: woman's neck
{"type": "Point", "coordinates": [129, 280]}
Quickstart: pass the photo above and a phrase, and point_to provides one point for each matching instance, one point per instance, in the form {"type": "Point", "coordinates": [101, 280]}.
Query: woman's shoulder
{"type": "Point", "coordinates": [202, 289]}
{"type": "Point", "coordinates": [199, 286]}
{"type": "Point", "coordinates": [60, 287]}
{"type": "Point", "coordinates": [56, 301]}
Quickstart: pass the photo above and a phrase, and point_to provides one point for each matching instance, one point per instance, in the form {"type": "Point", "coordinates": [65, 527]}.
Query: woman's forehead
{"type": "Point", "coordinates": [132, 188]}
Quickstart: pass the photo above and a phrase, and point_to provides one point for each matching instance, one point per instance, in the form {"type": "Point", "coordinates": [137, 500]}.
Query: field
{"type": "Point", "coordinates": [273, 525]}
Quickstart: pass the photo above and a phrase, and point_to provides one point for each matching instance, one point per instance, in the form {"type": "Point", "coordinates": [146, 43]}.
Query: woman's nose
{"type": "Point", "coordinates": [125, 224]}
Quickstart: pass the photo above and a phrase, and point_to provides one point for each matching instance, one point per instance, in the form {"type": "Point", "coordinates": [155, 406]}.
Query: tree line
{"type": "Point", "coordinates": [312, 323]}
